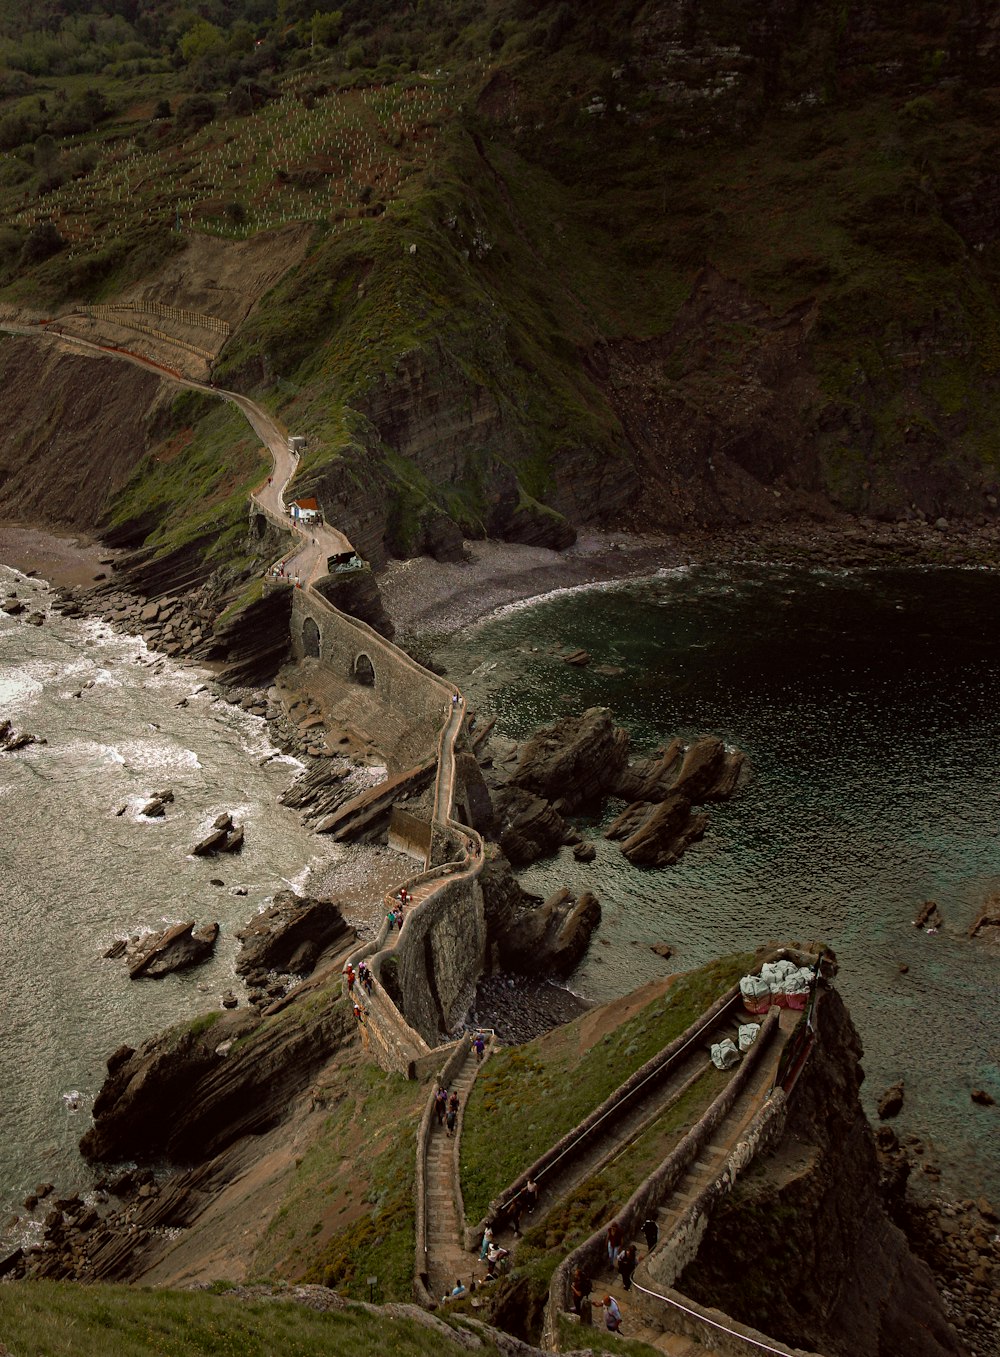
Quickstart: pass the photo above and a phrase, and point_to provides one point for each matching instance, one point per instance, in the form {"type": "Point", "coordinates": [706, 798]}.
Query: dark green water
{"type": "Point", "coordinates": [868, 703]}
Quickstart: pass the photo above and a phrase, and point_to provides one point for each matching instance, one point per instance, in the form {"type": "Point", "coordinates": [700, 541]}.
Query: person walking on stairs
{"type": "Point", "coordinates": [652, 1232]}
{"type": "Point", "coordinates": [612, 1314]}
{"type": "Point", "coordinates": [628, 1261]}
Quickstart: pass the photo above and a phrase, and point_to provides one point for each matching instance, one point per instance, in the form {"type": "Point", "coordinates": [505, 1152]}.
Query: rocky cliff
{"type": "Point", "coordinates": [803, 1247]}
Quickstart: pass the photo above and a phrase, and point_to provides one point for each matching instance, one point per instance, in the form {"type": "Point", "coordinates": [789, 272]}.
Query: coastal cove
{"type": "Point", "coordinates": [867, 704]}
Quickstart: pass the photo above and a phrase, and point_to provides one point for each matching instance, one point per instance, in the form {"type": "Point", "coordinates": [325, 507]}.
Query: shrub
{"type": "Point", "coordinates": [43, 242]}
{"type": "Point", "coordinates": [194, 112]}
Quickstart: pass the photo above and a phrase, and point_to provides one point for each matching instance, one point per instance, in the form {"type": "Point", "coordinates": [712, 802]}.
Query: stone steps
{"type": "Point", "coordinates": [447, 1258]}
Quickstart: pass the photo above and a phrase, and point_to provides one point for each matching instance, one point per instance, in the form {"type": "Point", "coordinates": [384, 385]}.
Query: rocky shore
{"type": "Point", "coordinates": [425, 597]}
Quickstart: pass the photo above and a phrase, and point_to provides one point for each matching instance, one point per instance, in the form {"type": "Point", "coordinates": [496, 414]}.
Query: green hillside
{"type": "Point", "coordinates": [568, 264]}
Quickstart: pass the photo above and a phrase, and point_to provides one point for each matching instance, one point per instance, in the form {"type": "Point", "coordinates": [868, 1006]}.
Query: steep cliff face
{"type": "Point", "coordinates": [74, 430]}
{"type": "Point", "coordinates": [803, 1248]}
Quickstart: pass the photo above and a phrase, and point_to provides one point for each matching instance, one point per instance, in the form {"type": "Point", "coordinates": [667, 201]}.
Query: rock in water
{"type": "Point", "coordinates": [928, 916]}
{"type": "Point", "coordinates": [662, 833]}
{"type": "Point", "coordinates": [551, 939]}
{"type": "Point", "coordinates": [276, 939]}
{"type": "Point", "coordinates": [575, 761]}
{"type": "Point", "coordinates": [173, 950]}
{"type": "Point", "coordinates": [224, 837]}
{"type": "Point", "coordinates": [891, 1102]}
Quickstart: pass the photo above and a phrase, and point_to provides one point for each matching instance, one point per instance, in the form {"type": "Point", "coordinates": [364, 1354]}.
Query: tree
{"type": "Point", "coordinates": [326, 28]}
{"type": "Point", "coordinates": [43, 242]}
{"type": "Point", "coordinates": [201, 40]}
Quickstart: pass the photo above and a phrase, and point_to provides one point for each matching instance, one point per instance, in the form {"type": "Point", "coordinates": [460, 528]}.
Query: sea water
{"type": "Point", "coordinates": [868, 706]}
{"type": "Point", "coordinates": [75, 874]}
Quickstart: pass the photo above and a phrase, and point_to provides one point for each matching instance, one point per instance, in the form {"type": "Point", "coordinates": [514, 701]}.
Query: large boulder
{"type": "Point", "coordinates": [532, 827]}
{"type": "Point", "coordinates": [174, 949]}
{"type": "Point", "coordinates": [575, 762]}
{"type": "Point", "coordinates": [290, 935]}
{"type": "Point", "coordinates": [656, 836]}
{"type": "Point", "coordinates": [551, 939]}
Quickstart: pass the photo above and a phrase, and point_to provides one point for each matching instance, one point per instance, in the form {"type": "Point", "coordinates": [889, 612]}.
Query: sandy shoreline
{"type": "Point", "coordinates": [67, 557]}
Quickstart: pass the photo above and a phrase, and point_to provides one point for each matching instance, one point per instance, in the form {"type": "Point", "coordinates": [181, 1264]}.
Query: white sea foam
{"type": "Point", "coordinates": [18, 688]}
{"type": "Point", "coordinates": [520, 604]}
{"type": "Point", "coordinates": [144, 755]}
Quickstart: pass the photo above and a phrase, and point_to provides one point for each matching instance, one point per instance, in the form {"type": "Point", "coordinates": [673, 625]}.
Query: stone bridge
{"type": "Point", "coordinates": [356, 653]}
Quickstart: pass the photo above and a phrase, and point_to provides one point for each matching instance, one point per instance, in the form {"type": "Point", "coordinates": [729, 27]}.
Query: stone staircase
{"type": "Point", "coordinates": [447, 1258]}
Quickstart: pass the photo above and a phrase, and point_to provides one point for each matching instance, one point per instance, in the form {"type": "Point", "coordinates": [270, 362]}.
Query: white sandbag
{"type": "Point", "coordinates": [798, 982]}
{"type": "Point", "coordinates": [725, 1055]}
{"type": "Point", "coordinates": [753, 987]}
{"type": "Point", "coordinates": [748, 1034]}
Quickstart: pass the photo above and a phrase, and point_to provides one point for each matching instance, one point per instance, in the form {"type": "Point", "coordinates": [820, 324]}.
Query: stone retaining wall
{"type": "Point", "coordinates": [656, 1189]}
{"type": "Point", "coordinates": [614, 1105]}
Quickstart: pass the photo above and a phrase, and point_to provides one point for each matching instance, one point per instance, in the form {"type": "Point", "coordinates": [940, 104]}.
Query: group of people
{"type": "Point", "coordinates": [363, 977]}
{"type": "Point", "coordinates": [624, 1257]}
{"type": "Point", "coordinates": [446, 1108]}
{"type": "Point", "coordinates": [396, 914]}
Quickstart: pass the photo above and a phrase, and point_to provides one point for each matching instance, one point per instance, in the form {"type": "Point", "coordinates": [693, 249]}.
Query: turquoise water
{"type": "Point", "coordinates": [868, 704]}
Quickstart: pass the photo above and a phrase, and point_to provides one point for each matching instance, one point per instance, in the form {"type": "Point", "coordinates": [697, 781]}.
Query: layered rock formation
{"type": "Point", "coordinates": [289, 935]}
{"type": "Point", "coordinates": [577, 763]}
{"type": "Point", "coordinates": [188, 1093]}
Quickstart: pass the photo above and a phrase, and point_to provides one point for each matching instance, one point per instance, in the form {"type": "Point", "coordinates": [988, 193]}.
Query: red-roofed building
{"type": "Point", "coordinates": [304, 510]}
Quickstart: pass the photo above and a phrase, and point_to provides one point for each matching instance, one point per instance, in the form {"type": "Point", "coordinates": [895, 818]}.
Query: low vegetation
{"type": "Point", "coordinates": [51, 1319]}
{"type": "Point", "coordinates": [348, 1211]}
{"type": "Point", "coordinates": [529, 1096]}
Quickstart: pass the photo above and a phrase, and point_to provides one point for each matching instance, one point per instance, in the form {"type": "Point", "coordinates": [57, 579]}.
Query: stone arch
{"type": "Point", "coordinates": [363, 671]}
{"type": "Point", "coordinates": [310, 638]}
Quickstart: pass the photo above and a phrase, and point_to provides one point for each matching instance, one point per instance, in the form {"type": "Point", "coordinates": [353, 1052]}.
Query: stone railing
{"type": "Point", "coordinates": [672, 1255]}
{"type": "Point", "coordinates": [657, 1188]}
{"type": "Point", "coordinates": [617, 1104]}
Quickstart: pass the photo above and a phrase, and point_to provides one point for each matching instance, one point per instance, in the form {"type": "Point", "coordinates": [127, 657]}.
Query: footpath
{"type": "Point", "coordinates": [446, 1259]}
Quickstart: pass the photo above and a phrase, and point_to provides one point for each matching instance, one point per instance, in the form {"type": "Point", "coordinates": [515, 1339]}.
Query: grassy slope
{"type": "Point", "coordinates": [47, 1319]}
{"type": "Point", "coordinates": [531, 1095]}
{"type": "Point", "coordinates": [542, 229]}
{"type": "Point", "coordinates": [195, 483]}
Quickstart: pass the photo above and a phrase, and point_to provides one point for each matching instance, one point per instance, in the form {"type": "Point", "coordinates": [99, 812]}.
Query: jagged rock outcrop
{"type": "Point", "coordinates": [290, 935]}
{"type": "Point", "coordinates": [187, 1094]}
{"type": "Point", "coordinates": [552, 938]}
{"type": "Point", "coordinates": [175, 949]}
{"type": "Point", "coordinates": [357, 594]}
{"type": "Point", "coordinates": [532, 827]}
{"type": "Point", "coordinates": [11, 739]}
{"type": "Point", "coordinates": [255, 641]}
{"type": "Point", "coordinates": [224, 837]}
{"type": "Point", "coordinates": [986, 925]}
{"type": "Point", "coordinates": [472, 796]}
{"type": "Point", "coordinates": [575, 762]}
{"type": "Point", "coordinates": [802, 1248]}
{"type": "Point", "coordinates": [657, 835]}
{"type": "Point", "coordinates": [704, 770]}
{"type": "Point", "coordinates": [531, 935]}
